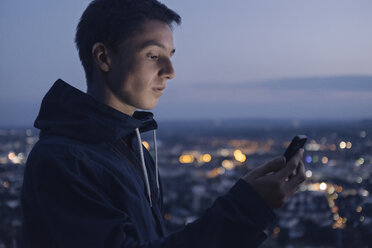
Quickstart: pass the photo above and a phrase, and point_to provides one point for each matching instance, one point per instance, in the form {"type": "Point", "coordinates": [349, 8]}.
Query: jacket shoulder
{"type": "Point", "coordinates": [61, 154]}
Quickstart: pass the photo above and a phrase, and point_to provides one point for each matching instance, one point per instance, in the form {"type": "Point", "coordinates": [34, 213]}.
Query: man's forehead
{"type": "Point", "coordinates": [151, 33]}
{"type": "Point", "coordinates": [156, 32]}
{"type": "Point", "coordinates": [149, 43]}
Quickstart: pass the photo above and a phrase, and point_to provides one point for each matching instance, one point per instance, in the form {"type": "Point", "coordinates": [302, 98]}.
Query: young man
{"type": "Point", "coordinates": [89, 182]}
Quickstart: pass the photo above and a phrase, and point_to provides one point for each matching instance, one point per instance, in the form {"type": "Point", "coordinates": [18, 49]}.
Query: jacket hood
{"type": "Point", "coordinates": [67, 111]}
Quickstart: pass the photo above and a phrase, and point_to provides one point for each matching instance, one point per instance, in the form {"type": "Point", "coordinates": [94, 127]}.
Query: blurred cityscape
{"type": "Point", "coordinates": [199, 161]}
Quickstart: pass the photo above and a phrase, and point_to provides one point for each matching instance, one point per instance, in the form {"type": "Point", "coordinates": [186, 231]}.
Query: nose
{"type": "Point", "coordinates": [167, 70]}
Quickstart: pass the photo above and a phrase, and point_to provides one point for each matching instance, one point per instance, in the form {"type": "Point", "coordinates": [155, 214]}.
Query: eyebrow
{"type": "Point", "coordinates": [154, 43]}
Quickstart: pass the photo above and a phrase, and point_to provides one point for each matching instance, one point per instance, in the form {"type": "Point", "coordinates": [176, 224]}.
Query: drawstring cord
{"type": "Point", "coordinates": [156, 163]}
{"type": "Point", "coordinates": [144, 166]}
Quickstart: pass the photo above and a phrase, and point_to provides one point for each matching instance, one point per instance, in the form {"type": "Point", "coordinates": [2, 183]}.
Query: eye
{"type": "Point", "coordinates": [153, 56]}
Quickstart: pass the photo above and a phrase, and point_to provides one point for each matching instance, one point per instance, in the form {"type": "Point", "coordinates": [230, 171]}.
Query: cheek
{"type": "Point", "coordinates": [135, 85]}
{"type": "Point", "coordinates": [143, 77]}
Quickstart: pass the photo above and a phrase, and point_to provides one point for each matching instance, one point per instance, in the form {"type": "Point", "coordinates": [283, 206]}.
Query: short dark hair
{"type": "Point", "coordinates": [113, 21]}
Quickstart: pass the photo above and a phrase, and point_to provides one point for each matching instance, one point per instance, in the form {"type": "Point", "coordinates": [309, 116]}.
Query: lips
{"type": "Point", "coordinates": [158, 90]}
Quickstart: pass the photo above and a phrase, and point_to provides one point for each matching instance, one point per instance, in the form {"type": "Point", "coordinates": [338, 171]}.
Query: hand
{"type": "Point", "coordinates": [273, 181]}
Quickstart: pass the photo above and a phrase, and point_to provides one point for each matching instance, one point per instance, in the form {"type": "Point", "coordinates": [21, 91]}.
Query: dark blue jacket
{"type": "Point", "coordinates": [84, 186]}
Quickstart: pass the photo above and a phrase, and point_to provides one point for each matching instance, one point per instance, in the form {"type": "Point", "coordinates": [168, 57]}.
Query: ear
{"type": "Point", "coordinates": [101, 56]}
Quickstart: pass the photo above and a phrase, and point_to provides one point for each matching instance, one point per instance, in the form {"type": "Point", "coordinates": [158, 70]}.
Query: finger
{"type": "Point", "coordinates": [271, 166]}
{"type": "Point", "coordinates": [297, 157]}
{"type": "Point", "coordinates": [299, 178]}
{"type": "Point", "coordinates": [299, 152]}
{"type": "Point", "coordinates": [297, 171]}
{"type": "Point", "coordinates": [291, 166]}
{"type": "Point", "coordinates": [300, 168]}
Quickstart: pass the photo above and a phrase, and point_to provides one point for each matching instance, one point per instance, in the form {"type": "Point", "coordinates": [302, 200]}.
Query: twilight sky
{"type": "Point", "coordinates": [239, 58]}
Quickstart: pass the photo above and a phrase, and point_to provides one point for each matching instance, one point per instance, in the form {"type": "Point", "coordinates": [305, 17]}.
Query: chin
{"type": "Point", "coordinates": [149, 106]}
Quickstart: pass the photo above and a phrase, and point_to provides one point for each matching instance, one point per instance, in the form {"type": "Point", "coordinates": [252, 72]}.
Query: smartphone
{"type": "Point", "coordinates": [297, 142]}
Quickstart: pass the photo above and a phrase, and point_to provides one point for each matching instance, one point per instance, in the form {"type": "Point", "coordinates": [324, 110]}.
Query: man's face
{"type": "Point", "coordinates": [141, 67]}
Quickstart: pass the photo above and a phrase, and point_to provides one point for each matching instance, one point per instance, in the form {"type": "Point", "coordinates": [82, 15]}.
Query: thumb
{"type": "Point", "coordinates": [272, 166]}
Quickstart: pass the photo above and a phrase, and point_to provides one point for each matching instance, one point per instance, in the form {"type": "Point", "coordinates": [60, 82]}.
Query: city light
{"type": "Point", "coordinates": [29, 132]}
{"type": "Point", "coordinates": [323, 186]}
{"type": "Point", "coordinates": [146, 145]}
{"type": "Point", "coordinates": [6, 184]}
{"type": "Point", "coordinates": [186, 159]}
{"type": "Point", "coordinates": [228, 164]}
{"type": "Point", "coordinates": [21, 156]}
{"type": "Point", "coordinates": [363, 134]}
{"type": "Point", "coordinates": [309, 173]}
{"type": "Point", "coordinates": [324, 160]}
{"type": "Point", "coordinates": [342, 145]}
{"type": "Point", "coordinates": [224, 152]}
{"type": "Point", "coordinates": [334, 209]}
{"type": "Point", "coordinates": [204, 158]}
{"type": "Point", "coordinates": [348, 145]}
{"type": "Point", "coordinates": [215, 172]}
{"type": "Point", "coordinates": [361, 161]}
{"type": "Point", "coordinates": [16, 159]}
{"type": "Point", "coordinates": [331, 190]}
{"type": "Point", "coordinates": [333, 147]}
{"type": "Point", "coordinates": [313, 146]}
{"type": "Point", "coordinates": [365, 193]}
{"type": "Point", "coordinates": [11, 155]}
{"type": "Point", "coordinates": [237, 152]}
{"type": "Point", "coordinates": [339, 224]}
{"type": "Point", "coordinates": [359, 209]}
{"type": "Point", "coordinates": [239, 156]}
{"type": "Point", "coordinates": [315, 159]}
{"type": "Point", "coordinates": [336, 217]}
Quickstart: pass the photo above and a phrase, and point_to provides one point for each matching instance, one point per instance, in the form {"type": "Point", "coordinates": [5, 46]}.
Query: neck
{"type": "Point", "coordinates": [104, 94]}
